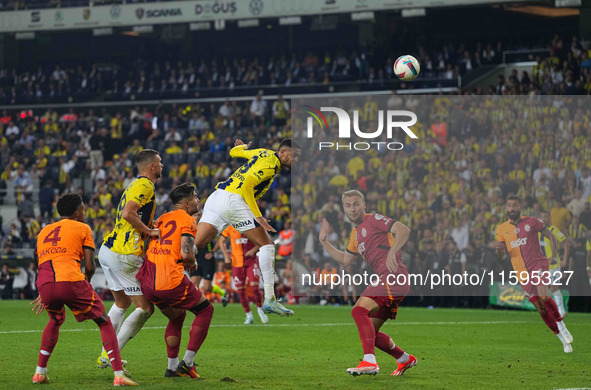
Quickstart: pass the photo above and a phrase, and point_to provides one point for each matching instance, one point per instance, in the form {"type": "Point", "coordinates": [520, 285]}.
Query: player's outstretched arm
{"type": "Point", "coordinates": [130, 214]}
{"type": "Point", "coordinates": [343, 258]}
{"type": "Point", "coordinates": [239, 142]}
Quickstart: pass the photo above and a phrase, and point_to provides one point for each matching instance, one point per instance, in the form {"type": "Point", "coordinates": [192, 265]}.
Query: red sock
{"type": "Point", "coordinates": [553, 310]}
{"type": "Point", "coordinates": [199, 328]}
{"type": "Point", "coordinates": [258, 299]}
{"type": "Point", "coordinates": [174, 328]}
{"type": "Point", "coordinates": [548, 317]}
{"type": "Point", "coordinates": [109, 338]}
{"type": "Point", "coordinates": [367, 332]}
{"type": "Point", "coordinates": [49, 339]}
{"type": "Point", "coordinates": [244, 299]}
{"type": "Point", "coordinates": [383, 342]}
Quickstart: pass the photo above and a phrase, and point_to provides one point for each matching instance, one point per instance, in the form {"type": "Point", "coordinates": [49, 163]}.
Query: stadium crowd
{"type": "Point", "coordinates": [449, 188]}
{"type": "Point", "coordinates": [144, 80]}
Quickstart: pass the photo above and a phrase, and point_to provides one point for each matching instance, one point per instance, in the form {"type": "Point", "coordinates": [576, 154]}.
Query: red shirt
{"type": "Point", "coordinates": [372, 240]}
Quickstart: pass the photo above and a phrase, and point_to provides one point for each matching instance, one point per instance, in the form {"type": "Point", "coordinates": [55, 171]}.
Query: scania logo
{"type": "Point", "coordinates": [157, 13]}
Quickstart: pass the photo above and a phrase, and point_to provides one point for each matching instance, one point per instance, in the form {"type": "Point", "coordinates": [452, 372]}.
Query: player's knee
{"type": "Point", "coordinates": [268, 250]}
{"type": "Point", "coordinates": [203, 307]}
{"type": "Point", "coordinates": [59, 319]}
{"type": "Point", "coordinates": [145, 313]}
{"type": "Point", "coordinates": [544, 299]}
{"type": "Point", "coordinates": [172, 341]}
{"type": "Point", "coordinates": [358, 311]}
{"type": "Point", "coordinates": [102, 319]}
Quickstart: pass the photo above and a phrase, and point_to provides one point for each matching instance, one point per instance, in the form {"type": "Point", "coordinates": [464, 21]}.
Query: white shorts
{"type": "Point", "coordinates": [224, 208]}
{"type": "Point", "coordinates": [555, 276]}
{"type": "Point", "coordinates": [120, 270]}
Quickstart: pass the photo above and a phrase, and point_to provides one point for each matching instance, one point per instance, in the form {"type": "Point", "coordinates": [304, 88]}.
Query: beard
{"type": "Point", "coordinates": [514, 215]}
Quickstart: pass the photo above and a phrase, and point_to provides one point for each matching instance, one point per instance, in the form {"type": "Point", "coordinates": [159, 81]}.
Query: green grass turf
{"type": "Point", "coordinates": [456, 349]}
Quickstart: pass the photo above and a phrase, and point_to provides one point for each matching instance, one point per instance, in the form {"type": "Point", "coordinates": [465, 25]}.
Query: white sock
{"type": "Point", "coordinates": [41, 370]}
{"type": "Point", "coordinates": [118, 373]}
{"type": "Point", "coordinates": [260, 310]}
{"type": "Point", "coordinates": [267, 265]}
{"type": "Point", "coordinates": [190, 358]}
{"type": "Point", "coordinates": [173, 363]}
{"type": "Point", "coordinates": [559, 335]}
{"type": "Point", "coordinates": [559, 302]}
{"type": "Point", "coordinates": [370, 358]}
{"type": "Point", "coordinates": [116, 315]}
{"type": "Point", "coordinates": [561, 326]}
{"type": "Point", "coordinates": [403, 359]}
{"type": "Point", "coordinates": [249, 315]}
{"type": "Point", "coordinates": [131, 326]}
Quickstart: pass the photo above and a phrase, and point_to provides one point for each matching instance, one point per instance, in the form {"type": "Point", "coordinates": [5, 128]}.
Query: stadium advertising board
{"type": "Point", "coordinates": [195, 11]}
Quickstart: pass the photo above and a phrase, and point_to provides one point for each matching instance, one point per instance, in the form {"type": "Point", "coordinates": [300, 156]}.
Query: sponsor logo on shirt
{"type": "Point", "coordinates": [519, 242]}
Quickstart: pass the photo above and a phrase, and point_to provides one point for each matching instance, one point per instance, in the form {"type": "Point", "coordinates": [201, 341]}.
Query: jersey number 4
{"type": "Point", "coordinates": [53, 236]}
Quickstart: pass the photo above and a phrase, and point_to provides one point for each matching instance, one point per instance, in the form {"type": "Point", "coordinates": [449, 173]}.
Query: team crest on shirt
{"type": "Point", "coordinates": [363, 232]}
{"type": "Point", "coordinates": [517, 230]}
{"type": "Point", "coordinates": [527, 228]}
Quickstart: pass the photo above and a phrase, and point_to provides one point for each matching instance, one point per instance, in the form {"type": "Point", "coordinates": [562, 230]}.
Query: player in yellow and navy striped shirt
{"type": "Point", "coordinates": [122, 252]}
{"type": "Point", "coordinates": [234, 203]}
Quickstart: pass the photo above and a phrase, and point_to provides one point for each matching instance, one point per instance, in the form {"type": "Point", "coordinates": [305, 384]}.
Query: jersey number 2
{"type": "Point", "coordinates": [163, 240]}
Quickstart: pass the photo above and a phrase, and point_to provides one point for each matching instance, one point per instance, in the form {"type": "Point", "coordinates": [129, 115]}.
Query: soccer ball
{"type": "Point", "coordinates": [407, 68]}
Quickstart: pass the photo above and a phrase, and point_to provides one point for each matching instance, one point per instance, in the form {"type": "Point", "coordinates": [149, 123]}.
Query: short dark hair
{"type": "Point", "coordinates": [513, 197]}
{"type": "Point", "coordinates": [182, 191]}
{"type": "Point", "coordinates": [289, 143]}
{"type": "Point", "coordinates": [145, 156]}
{"type": "Point", "coordinates": [68, 203]}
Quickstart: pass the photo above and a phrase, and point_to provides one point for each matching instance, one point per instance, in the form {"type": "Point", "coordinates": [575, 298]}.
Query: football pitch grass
{"type": "Point", "coordinates": [455, 348]}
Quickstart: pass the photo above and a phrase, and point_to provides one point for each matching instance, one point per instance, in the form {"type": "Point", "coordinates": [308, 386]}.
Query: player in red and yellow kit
{"type": "Point", "coordinates": [520, 236]}
{"type": "Point", "coordinates": [244, 265]}
{"type": "Point", "coordinates": [61, 246]}
{"type": "Point", "coordinates": [164, 284]}
{"type": "Point", "coordinates": [373, 239]}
